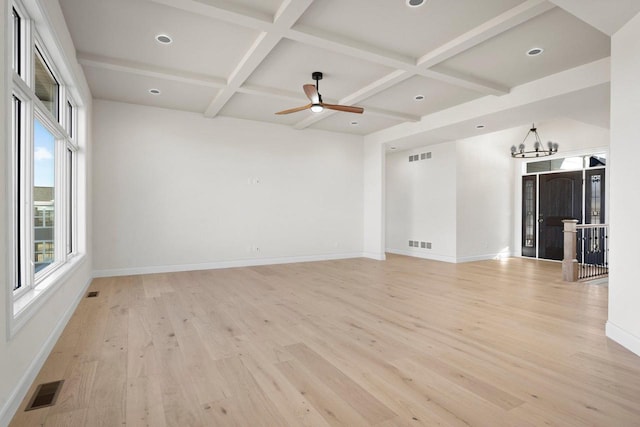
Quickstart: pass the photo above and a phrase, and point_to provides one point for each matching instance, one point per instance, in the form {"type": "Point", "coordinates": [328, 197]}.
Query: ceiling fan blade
{"type": "Point", "coordinates": [345, 108]}
{"type": "Point", "coordinates": [312, 93]}
{"type": "Point", "coordinates": [294, 110]}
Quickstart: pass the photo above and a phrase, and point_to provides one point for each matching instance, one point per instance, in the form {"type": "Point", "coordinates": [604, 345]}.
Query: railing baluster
{"type": "Point", "coordinates": [590, 252]}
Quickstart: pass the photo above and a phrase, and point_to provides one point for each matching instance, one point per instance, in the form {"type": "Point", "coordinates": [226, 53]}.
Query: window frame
{"type": "Point", "coordinates": [26, 286]}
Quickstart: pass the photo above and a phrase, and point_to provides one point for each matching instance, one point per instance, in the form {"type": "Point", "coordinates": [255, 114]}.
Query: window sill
{"type": "Point", "coordinates": [29, 303]}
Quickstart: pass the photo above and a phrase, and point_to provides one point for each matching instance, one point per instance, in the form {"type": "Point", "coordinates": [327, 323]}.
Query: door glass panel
{"type": "Point", "coordinates": [594, 201]}
{"type": "Point", "coordinates": [529, 206]}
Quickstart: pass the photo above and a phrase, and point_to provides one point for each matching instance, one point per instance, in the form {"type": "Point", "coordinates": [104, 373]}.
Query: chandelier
{"type": "Point", "coordinates": [538, 149]}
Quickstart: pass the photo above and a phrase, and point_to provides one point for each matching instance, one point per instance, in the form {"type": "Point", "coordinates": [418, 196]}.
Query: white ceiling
{"type": "Point", "coordinates": [249, 58]}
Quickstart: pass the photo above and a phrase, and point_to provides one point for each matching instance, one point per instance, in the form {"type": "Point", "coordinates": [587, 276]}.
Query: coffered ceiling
{"type": "Point", "coordinates": [249, 58]}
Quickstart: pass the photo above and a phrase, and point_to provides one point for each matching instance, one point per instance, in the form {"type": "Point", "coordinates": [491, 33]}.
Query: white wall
{"type": "Point", "coordinates": [22, 355]}
{"type": "Point", "coordinates": [468, 196]}
{"type": "Point", "coordinates": [624, 289]}
{"type": "Point", "coordinates": [178, 191]}
{"type": "Point", "coordinates": [421, 202]}
{"type": "Point", "coordinates": [485, 195]}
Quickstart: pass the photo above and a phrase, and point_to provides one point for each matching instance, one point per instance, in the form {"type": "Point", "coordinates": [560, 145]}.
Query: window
{"type": "Point", "coordinates": [568, 163]}
{"type": "Point", "coordinates": [43, 166]}
{"type": "Point", "coordinates": [46, 86]}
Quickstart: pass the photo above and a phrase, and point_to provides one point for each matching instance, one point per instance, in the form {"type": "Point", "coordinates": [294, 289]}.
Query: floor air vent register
{"type": "Point", "coordinates": [45, 395]}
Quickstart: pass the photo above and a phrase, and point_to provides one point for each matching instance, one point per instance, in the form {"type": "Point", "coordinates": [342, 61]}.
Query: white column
{"type": "Point", "coordinates": [623, 324]}
{"type": "Point", "coordinates": [374, 200]}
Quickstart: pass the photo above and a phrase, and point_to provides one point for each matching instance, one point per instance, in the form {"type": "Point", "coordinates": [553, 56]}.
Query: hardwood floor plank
{"type": "Point", "coordinates": [362, 401]}
{"type": "Point", "coordinates": [335, 410]}
{"type": "Point", "coordinates": [356, 342]}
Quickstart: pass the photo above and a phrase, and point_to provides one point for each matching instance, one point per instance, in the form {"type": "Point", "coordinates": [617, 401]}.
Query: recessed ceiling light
{"type": "Point", "coordinates": [164, 39]}
{"type": "Point", "coordinates": [354, 123]}
{"type": "Point", "coordinates": [419, 97]}
{"type": "Point", "coordinates": [154, 91]}
{"type": "Point", "coordinates": [479, 126]}
{"type": "Point", "coordinates": [535, 51]}
{"type": "Point", "coordinates": [415, 3]}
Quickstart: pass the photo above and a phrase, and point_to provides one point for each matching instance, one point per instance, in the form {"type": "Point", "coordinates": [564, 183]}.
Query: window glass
{"type": "Point", "coordinates": [70, 119]}
{"type": "Point", "coordinates": [595, 160]}
{"type": "Point", "coordinates": [16, 41]}
{"type": "Point", "coordinates": [566, 163]}
{"type": "Point", "coordinates": [47, 88]}
{"type": "Point", "coordinates": [70, 216]}
{"type": "Point", "coordinates": [16, 135]}
{"type": "Point", "coordinates": [43, 196]}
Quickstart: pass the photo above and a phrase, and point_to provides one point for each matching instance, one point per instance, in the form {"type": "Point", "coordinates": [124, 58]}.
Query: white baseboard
{"type": "Point", "coordinates": [422, 255]}
{"type": "Point", "coordinates": [484, 257]}
{"type": "Point", "coordinates": [622, 337]}
{"type": "Point", "coordinates": [251, 262]}
{"type": "Point", "coordinates": [19, 392]}
{"type": "Point", "coordinates": [375, 255]}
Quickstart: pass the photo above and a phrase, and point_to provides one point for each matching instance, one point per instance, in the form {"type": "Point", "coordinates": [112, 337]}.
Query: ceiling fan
{"type": "Point", "coordinates": [316, 100]}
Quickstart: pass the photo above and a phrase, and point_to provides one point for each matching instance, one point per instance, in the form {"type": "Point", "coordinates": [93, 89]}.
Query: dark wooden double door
{"type": "Point", "coordinates": [561, 196]}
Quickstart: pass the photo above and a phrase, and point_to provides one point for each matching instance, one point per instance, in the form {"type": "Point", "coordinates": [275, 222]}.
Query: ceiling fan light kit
{"type": "Point", "coordinates": [316, 105]}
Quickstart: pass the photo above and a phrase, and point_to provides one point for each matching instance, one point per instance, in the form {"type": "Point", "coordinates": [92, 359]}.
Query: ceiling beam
{"type": "Point", "coordinates": [273, 93]}
{"type": "Point", "coordinates": [379, 112]}
{"type": "Point", "coordinates": [281, 26]}
{"type": "Point", "coordinates": [112, 64]}
{"type": "Point", "coordinates": [338, 44]}
{"type": "Point", "coordinates": [254, 56]}
{"type": "Point", "coordinates": [313, 37]}
{"type": "Point", "coordinates": [483, 32]}
{"type": "Point", "coordinates": [223, 12]}
{"type": "Point", "coordinates": [290, 11]}
{"type": "Point", "coordinates": [501, 23]}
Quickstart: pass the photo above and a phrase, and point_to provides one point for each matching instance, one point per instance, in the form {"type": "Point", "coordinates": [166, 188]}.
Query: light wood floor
{"type": "Point", "coordinates": [354, 342]}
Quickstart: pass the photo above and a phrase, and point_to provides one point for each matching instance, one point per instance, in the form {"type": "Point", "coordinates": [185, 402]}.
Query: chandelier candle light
{"type": "Point", "coordinates": [538, 150]}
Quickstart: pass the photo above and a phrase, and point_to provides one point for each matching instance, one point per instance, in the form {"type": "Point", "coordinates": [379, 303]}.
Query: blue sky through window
{"type": "Point", "coordinates": [43, 156]}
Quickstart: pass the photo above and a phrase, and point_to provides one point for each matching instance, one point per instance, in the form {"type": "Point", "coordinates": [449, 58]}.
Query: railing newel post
{"type": "Point", "coordinates": [569, 261]}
